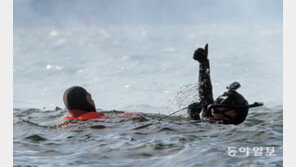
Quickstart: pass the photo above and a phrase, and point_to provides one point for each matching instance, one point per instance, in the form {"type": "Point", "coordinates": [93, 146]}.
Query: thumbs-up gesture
{"type": "Point", "coordinates": [201, 54]}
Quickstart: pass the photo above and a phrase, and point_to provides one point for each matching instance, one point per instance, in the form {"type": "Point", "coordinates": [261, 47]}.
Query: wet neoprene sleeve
{"type": "Point", "coordinates": [205, 88]}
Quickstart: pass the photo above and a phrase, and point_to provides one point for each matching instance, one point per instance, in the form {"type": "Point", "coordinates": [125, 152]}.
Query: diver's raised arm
{"type": "Point", "coordinates": [204, 80]}
{"type": "Point", "coordinates": [198, 109]}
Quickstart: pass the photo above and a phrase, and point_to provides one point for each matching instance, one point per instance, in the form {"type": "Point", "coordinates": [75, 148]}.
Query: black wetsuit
{"type": "Point", "coordinates": [198, 110]}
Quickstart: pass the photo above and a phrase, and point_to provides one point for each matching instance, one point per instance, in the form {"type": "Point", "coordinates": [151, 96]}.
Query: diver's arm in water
{"type": "Point", "coordinates": [199, 109]}
{"type": "Point", "coordinates": [205, 90]}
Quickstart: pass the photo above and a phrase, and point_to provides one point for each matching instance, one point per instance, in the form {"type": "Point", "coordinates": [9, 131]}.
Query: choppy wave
{"type": "Point", "coordinates": [174, 141]}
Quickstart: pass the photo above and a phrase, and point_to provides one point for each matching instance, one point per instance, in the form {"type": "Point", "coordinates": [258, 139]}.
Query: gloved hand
{"type": "Point", "coordinates": [201, 54]}
{"type": "Point", "coordinates": [193, 111]}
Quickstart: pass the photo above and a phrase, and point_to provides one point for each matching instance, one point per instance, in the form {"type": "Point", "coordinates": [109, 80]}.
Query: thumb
{"type": "Point", "coordinates": [206, 48]}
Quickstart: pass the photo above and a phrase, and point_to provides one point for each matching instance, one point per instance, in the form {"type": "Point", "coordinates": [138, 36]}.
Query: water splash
{"type": "Point", "coordinates": [186, 95]}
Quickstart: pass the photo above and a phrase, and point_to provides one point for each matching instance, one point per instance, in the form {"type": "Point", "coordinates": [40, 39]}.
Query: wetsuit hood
{"type": "Point", "coordinates": [236, 102]}
{"type": "Point", "coordinates": [75, 99]}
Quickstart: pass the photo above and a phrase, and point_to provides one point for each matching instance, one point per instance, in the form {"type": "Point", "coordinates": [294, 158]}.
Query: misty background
{"type": "Point", "coordinates": [137, 55]}
{"type": "Point", "coordinates": [152, 12]}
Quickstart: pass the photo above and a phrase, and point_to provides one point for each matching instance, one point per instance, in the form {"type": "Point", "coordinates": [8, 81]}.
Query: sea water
{"type": "Point", "coordinates": [148, 68]}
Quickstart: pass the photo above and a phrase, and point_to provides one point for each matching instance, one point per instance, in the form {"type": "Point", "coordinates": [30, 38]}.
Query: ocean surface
{"type": "Point", "coordinates": [147, 68]}
{"type": "Point", "coordinates": [145, 141]}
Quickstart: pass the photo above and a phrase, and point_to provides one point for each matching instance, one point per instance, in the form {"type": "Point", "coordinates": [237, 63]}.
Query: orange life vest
{"type": "Point", "coordinates": [83, 115]}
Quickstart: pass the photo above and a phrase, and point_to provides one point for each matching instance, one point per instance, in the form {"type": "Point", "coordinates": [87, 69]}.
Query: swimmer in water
{"type": "Point", "coordinates": [81, 106]}
{"type": "Point", "coordinates": [229, 108]}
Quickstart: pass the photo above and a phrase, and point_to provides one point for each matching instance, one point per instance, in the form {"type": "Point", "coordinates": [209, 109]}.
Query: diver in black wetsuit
{"type": "Point", "coordinates": [229, 108]}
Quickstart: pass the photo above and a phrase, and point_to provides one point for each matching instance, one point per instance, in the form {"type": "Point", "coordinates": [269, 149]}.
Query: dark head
{"type": "Point", "coordinates": [231, 107]}
{"type": "Point", "coordinates": [78, 98]}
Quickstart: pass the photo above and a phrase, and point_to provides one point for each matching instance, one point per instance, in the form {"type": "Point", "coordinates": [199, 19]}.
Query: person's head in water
{"type": "Point", "coordinates": [77, 98]}
{"type": "Point", "coordinates": [232, 111]}
{"type": "Point", "coordinates": [231, 107]}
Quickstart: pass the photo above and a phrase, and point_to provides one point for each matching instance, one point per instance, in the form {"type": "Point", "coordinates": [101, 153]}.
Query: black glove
{"type": "Point", "coordinates": [201, 54]}
{"type": "Point", "coordinates": [193, 111]}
